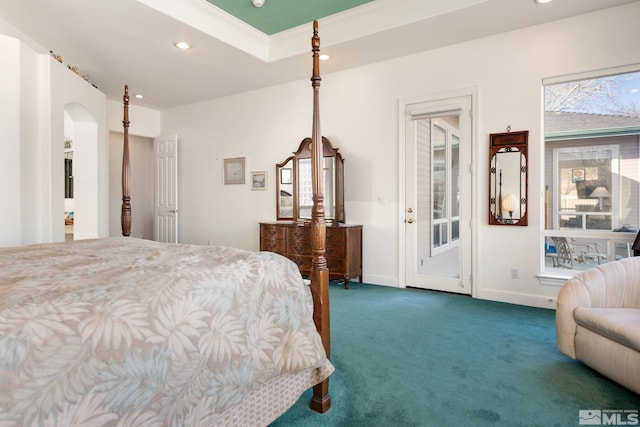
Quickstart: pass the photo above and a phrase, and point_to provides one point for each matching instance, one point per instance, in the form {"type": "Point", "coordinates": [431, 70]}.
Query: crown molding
{"type": "Point", "coordinates": [215, 22]}
{"type": "Point", "coordinates": [361, 21]}
{"type": "Point", "coordinates": [352, 24]}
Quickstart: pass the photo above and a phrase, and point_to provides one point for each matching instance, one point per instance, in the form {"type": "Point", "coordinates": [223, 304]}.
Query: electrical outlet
{"type": "Point", "coordinates": [515, 274]}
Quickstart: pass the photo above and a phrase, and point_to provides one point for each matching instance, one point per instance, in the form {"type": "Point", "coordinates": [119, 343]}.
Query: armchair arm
{"type": "Point", "coordinates": [574, 293]}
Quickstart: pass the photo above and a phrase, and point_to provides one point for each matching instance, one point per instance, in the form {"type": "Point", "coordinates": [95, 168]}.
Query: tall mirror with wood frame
{"type": "Point", "coordinates": [293, 184]}
{"type": "Point", "coordinates": [508, 178]}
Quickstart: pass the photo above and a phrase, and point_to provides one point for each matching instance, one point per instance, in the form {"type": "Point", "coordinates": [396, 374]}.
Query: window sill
{"type": "Point", "coordinates": [556, 280]}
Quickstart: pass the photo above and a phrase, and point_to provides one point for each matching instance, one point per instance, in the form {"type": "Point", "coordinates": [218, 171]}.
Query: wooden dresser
{"type": "Point", "coordinates": [343, 247]}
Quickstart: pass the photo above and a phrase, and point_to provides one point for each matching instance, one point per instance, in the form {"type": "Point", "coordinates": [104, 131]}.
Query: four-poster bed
{"type": "Point", "coordinates": [125, 216]}
{"type": "Point", "coordinates": [125, 331]}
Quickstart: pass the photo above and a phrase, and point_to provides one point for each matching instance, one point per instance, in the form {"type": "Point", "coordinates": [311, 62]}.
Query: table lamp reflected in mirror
{"type": "Point", "coordinates": [510, 203]}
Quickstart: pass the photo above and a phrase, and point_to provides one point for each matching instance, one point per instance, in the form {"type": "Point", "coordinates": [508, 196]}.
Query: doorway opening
{"type": "Point", "coordinates": [81, 180]}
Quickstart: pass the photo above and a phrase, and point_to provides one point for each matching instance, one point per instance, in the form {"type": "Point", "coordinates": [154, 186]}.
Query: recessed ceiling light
{"type": "Point", "coordinates": [183, 45]}
{"type": "Point", "coordinates": [324, 57]}
{"type": "Point", "coordinates": [139, 96]}
{"type": "Point", "coordinates": [541, 1]}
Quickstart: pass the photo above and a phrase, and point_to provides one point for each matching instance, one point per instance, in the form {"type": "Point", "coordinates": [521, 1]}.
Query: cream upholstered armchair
{"type": "Point", "coordinates": [598, 320]}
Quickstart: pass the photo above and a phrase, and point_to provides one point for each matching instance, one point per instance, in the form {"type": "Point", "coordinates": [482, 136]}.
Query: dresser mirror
{"type": "Point", "coordinates": [293, 188]}
{"type": "Point", "coordinates": [508, 178]}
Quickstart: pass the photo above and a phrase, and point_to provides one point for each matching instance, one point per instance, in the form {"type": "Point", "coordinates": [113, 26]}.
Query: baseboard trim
{"type": "Point", "coordinates": [380, 280]}
{"type": "Point", "coordinates": [531, 300]}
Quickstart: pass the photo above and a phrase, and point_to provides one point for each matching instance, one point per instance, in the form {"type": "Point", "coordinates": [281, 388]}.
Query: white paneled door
{"type": "Point", "coordinates": [437, 217]}
{"type": "Point", "coordinates": [165, 218]}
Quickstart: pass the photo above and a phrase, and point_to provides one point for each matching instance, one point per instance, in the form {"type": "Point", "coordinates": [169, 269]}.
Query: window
{"type": "Point", "coordinates": [592, 170]}
{"type": "Point", "coordinates": [586, 179]}
{"type": "Point", "coordinates": [445, 171]}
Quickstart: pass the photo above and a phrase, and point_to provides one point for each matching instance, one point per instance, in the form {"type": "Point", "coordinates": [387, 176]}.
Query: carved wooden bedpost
{"type": "Point", "coordinates": [125, 218]}
{"type": "Point", "coordinates": [321, 401]}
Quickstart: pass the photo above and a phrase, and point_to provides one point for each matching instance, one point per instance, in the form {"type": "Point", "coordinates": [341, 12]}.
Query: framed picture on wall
{"type": "Point", "coordinates": [259, 180]}
{"type": "Point", "coordinates": [234, 170]}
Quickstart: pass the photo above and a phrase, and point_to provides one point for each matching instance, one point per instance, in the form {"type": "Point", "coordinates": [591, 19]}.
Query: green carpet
{"type": "Point", "coordinates": [408, 357]}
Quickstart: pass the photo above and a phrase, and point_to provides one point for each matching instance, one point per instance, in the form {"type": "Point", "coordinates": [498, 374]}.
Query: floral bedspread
{"type": "Point", "coordinates": [124, 331]}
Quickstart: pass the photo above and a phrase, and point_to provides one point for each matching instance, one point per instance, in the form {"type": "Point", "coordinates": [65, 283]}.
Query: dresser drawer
{"type": "Point", "coordinates": [272, 231]}
{"type": "Point", "coordinates": [303, 262]}
{"type": "Point", "coordinates": [336, 235]}
{"type": "Point", "coordinates": [333, 250]}
{"type": "Point", "coordinates": [295, 234]}
{"type": "Point", "coordinates": [336, 266]}
{"type": "Point", "coordinates": [277, 246]}
{"type": "Point", "coordinates": [299, 247]}
{"type": "Point", "coordinates": [272, 239]}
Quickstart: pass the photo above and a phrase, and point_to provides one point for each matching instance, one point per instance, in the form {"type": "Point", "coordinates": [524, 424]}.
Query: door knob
{"type": "Point", "coordinates": [410, 220]}
{"type": "Point", "coordinates": [173, 211]}
{"type": "Point", "coordinates": [410, 210]}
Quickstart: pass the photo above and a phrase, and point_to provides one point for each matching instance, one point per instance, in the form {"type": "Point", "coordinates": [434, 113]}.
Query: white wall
{"type": "Point", "coordinates": [142, 121]}
{"type": "Point", "coordinates": [24, 149]}
{"type": "Point", "coordinates": [359, 113]}
{"type": "Point", "coordinates": [10, 141]}
{"type": "Point", "coordinates": [32, 110]}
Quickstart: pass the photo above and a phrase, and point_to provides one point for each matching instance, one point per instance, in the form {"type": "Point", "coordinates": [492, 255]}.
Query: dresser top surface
{"type": "Point", "coordinates": [308, 224]}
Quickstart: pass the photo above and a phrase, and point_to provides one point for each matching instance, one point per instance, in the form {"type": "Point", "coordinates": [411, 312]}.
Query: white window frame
{"type": "Point", "coordinates": [447, 218]}
{"type": "Point", "coordinates": [614, 149]}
